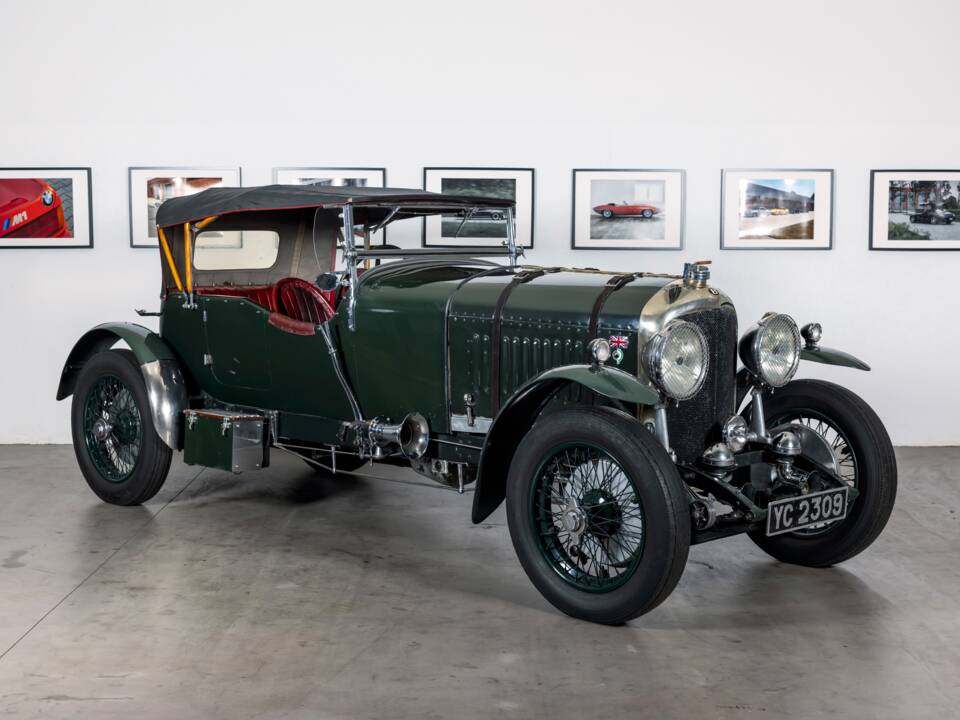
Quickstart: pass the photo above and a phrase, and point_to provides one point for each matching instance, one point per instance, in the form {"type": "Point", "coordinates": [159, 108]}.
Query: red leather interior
{"type": "Point", "coordinates": [288, 324]}
{"type": "Point", "coordinates": [303, 301]}
{"type": "Point", "coordinates": [262, 295]}
{"type": "Point", "coordinates": [296, 305]}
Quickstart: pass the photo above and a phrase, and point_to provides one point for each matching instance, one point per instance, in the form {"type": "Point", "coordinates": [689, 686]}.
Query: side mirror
{"type": "Point", "coordinates": [328, 281]}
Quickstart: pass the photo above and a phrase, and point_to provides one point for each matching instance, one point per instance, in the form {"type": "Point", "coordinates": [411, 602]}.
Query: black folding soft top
{"type": "Point", "coordinates": [223, 201]}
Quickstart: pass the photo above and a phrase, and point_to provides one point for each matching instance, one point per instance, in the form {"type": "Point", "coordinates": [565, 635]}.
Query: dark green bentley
{"type": "Point", "coordinates": [606, 408]}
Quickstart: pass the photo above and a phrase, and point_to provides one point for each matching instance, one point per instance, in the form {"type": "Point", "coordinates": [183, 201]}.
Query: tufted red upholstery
{"type": "Point", "coordinates": [263, 295]}
{"type": "Point", "coordinates": [303, 300]}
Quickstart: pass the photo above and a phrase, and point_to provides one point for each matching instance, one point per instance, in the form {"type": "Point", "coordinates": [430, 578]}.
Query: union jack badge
{"type": "Point", "coordinates": [619, 342]}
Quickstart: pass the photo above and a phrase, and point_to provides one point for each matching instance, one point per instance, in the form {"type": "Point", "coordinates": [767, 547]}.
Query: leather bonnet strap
{"type": "Point", "coordinates": [612, 285]}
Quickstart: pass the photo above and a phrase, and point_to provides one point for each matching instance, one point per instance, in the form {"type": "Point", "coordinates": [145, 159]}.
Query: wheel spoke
{"type": "Point", "coordinates": [112, 428]}
{"type": "Point", "coordinates": [589, 521]}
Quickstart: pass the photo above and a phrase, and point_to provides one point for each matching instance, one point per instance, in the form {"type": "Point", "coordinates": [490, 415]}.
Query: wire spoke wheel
{"type": "Point", "coordinates": [112, 428]}
{"type": "Point", "coordinates": [589, 518]}
{"type": "Point", "coordinates": [846, 461]}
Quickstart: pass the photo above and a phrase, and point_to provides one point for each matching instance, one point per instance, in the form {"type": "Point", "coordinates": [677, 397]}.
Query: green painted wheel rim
{"type": "Point", "coordinates": [112, 428]}
{"type": "Point", "coordinates": [587, 516]}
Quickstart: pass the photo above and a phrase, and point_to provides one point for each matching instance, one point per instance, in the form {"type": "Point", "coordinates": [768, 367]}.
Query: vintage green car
{"type": "Point", "coordinates": [606, 408]}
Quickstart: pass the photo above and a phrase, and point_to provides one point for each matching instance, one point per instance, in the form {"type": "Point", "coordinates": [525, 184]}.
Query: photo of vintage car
{"type": "Point", "coordinates": [626, 209]}
{"type": "Point", "coordinates": [31, 208]}
{"type": "Point", "coordinates": [605, 408]}
{"type": "Point", "coordinates": [932, 215]}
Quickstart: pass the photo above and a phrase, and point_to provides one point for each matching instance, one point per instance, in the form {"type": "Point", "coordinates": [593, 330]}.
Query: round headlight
{"type": "Point", "coordinates": [676, 359]}
{"type": "Point", "coordinates": [771, 349]}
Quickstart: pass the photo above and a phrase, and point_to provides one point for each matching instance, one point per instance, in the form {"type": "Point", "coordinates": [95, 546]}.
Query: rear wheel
{"type": "Point", "coordinates": [120, 454]}
{"type": "Point", "coordinates": [864, 458]}
{"type": "Point", "coordinates": [598, 514]}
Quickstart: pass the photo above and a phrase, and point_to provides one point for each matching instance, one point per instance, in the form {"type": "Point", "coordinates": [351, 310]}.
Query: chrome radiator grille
{"type": "Point", "coordinates": [695, 423]}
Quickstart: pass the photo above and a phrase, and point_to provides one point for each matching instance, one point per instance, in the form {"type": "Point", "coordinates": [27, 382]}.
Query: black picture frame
{"type": "Point", "coordinates": [342, 170]}
{"type": "Point", "coordinates": [36, 172]}
{"type": "Point", "coordinates": [683, 210]}
{"type": "Point", "coordinates": [779, 171]}
{"type": "Point", "coordinates": [518, 170]}
{"type": "Point", "coordinates": [178, 168]}
{"type": "Point", "coordinates": [870, 233]}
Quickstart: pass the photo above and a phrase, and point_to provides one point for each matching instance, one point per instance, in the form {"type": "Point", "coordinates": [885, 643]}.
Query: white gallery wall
{"type": "Point", "coordinates": [551, 85]}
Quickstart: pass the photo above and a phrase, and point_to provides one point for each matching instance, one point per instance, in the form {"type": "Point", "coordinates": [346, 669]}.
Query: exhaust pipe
{"type": "Point", "coordinates": [412, 435]}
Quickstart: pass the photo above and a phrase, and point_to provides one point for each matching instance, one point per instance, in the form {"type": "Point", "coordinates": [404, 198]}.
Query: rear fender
{"type": "Point", "coordinates": [166, 388]}
{"type": "Point", "coordinates": [521, 410]}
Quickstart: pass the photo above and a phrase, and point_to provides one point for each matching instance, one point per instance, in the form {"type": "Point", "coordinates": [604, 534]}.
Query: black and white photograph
{"type": "Point", "coordinates": [47, 208]}
{"type": "Point", "coordinates": [777, 209]}
{"type": "Point", "coordinates": [330, 176]}
{"type": "Point", "coordinates": [485, 227]}
{"type": "Point", "coordinates": [915, 210]}
{"type": "Point", "coordinates": [359, 177]}
{"type": "Point", "coordinates": [628, 209]}
{"type": "Point", "coordinates": [150, 187]}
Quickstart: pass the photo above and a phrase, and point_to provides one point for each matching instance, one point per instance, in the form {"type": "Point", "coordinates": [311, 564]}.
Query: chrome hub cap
{"type": "Point", "coordinates": [102, 430]}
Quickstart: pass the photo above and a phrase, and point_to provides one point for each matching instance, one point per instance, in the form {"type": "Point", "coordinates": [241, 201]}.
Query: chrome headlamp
{"type": "Point", "coordinates": [771, 349]}
{"type": "Point", "coordinates": [676, 359]}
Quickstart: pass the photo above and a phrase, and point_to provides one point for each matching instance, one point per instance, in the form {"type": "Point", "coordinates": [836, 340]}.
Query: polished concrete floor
{"type": "Point", "coordinates": [292, 595]}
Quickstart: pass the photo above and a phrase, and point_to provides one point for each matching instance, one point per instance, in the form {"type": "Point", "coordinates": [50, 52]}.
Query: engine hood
{"type": "Point", "coordinates": [441, 313]}
{"type": "Point", "coordinates": [564, 299]}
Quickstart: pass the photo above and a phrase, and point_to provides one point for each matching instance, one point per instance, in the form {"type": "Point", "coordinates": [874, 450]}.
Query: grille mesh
{"type": "Point", "coordinates": [694, 424]}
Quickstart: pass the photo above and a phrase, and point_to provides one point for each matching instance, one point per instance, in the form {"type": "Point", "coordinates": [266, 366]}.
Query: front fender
{"type": "Point", "coordinates": [166, 388]}
{"type": "Point", "coordinates": [519, 412]}
{"type": "Point", "coordinates": [831, 356]}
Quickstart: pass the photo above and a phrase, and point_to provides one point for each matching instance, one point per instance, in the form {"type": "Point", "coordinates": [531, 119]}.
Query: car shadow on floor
{"type": "Point", "coordinates": [413, 536]}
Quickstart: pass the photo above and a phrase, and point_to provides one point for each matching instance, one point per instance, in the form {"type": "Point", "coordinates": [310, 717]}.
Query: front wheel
{"type": "Point", "coordinates": [862, 455]}
{"type": "Point", "coordinates": [648, 214]}
{"type": "Point", "coordinates": [121, 456]}
{"type": "Point", "coordinates": [597, 514]}
{"type": "Point", "coordinates": [607, 214]}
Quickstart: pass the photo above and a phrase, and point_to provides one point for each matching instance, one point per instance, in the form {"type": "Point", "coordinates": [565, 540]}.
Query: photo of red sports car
{"type": "Point", "coordinates": [32, 208]}
{"type": "Point", "coordinates": [623, 209]}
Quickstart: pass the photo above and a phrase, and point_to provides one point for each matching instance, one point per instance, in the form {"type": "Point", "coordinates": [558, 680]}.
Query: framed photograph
{"type": "Point", "coordinates": [50, 208]}
{"type": "Point", "coordinates": [628, 209]}
{"type": "Point", "coordinates": [517, 184]}
{"type": "Point", "coordinates": [776, 210]}
{"type": "Point", "coordinates": [335, 177]}
{"type": "Point", "coordinates": [915, 209]}
{"type": "Point", "coordinates": [151, 186]}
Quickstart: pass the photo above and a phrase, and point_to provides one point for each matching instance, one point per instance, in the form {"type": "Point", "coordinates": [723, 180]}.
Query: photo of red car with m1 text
{"type": "Point", "coordinates": [624, 208]}
{"type": "Point", "coordinates": [35, 208]}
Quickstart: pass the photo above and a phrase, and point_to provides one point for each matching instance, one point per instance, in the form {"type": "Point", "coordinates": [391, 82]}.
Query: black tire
{"type": "Point", "coordinates": [665, 513]}
{"type": "Point", "coordinates": [913, 218]}
{"type": "Point", "coordinates": [648, 214]}
{"type": "Point", "coordinates": [607, 214]}
{"type": "Point", "coordinates": [934, 220]}
{"type": "Point", "coordinates": [152, 462]}
{"type": "Point", "coordinates": [876, 473]}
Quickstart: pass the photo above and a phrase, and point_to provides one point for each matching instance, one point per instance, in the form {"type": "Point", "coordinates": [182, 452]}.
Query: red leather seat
{"type": "Point", "coordinates": [304, 301]}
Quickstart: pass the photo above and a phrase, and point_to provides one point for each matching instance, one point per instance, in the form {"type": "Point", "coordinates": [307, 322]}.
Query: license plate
{"type": "Point", "coordinates": [795, 513]}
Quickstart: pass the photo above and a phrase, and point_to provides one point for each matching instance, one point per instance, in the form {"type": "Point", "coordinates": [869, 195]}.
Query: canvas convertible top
{"type": "Point", "coordinates": [223, 201]}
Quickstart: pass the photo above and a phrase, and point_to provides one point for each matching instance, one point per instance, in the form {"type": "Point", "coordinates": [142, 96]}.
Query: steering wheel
{"type": "Point", "coordinates": [302, 300]}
